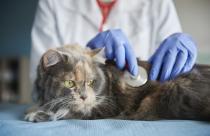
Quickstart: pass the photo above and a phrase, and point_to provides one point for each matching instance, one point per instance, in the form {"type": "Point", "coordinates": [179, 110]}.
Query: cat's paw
{"type": "Point", "coordinates": [38, 116]}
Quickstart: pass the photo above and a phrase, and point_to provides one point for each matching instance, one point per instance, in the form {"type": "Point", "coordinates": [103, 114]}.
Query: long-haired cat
{"type": "Point", "coordinates": [72, 84]}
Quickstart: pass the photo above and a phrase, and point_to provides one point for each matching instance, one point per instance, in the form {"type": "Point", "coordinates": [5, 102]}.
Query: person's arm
{"type": "Point", "coordinates": [44, 34]}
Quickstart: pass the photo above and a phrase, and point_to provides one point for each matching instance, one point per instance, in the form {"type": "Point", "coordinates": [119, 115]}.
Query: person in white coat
{"type": "Point", "coordinates": [148, 29]}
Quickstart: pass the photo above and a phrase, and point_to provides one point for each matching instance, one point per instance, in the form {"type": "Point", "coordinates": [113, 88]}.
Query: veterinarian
{"type": "Point", "coordinates": [148, 29]}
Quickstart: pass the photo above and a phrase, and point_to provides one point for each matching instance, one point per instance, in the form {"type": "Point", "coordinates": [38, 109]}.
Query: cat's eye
{"type": "Point", "coordinates": [69, 84]}
{"type": "Point", "coordinates": [90, 83]}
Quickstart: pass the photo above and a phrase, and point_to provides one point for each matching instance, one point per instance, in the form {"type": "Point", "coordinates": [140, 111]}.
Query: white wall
{"type": "Point", "coordinates": [195, 19]}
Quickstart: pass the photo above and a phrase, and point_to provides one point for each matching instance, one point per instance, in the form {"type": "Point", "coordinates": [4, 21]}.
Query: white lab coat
{"type": "Point", "coordinates": [59, 22]}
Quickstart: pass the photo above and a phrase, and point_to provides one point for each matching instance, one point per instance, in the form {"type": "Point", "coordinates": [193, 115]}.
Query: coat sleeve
{"type": "Point", "coordinates": [165, 22]}
{"type": "Point", "coordinates": [44, 34]}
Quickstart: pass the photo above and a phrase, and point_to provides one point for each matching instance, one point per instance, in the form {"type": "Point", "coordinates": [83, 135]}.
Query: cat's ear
{"type": "Point", "coordinates": [51, 58]}
{"type": "Point", "coordinates": [92, 52]}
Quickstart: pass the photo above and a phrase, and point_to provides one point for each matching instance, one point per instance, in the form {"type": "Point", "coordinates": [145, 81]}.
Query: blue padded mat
{"type": "Point", "coordinates": [12, 124]}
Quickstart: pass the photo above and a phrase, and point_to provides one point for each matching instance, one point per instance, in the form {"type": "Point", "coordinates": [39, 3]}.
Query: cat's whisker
{"type": "Point", "coordinates": [52, 103]}
{"type": "Point", "coordinates": [64, 101]}
{"type": "Point", "coordinates": [65, 104]}
{"type": "Point", "coordinates": [56, 102]}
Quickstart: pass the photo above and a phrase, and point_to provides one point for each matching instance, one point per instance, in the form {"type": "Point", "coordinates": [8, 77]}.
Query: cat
{"type": "Point", "coordinates": [72, 84]}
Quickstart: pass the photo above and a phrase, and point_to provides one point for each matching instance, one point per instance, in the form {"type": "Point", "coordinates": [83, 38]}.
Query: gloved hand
{"type": "Point", "coordinates": [117, 47]}
{"type": "Point", "coordinates": [177, 54]}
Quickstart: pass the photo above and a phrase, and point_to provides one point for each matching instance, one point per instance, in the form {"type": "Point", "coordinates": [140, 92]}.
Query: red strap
{"type": "Point", "coordinates": [105, 8]}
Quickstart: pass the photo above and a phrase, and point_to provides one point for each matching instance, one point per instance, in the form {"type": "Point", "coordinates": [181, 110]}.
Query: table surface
{"type": "Point", "coordinates": [12, 124]}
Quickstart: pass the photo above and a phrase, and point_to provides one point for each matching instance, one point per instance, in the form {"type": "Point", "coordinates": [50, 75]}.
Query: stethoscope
{"type": "Point", "coordinates": [135, 81]}
{"type": "Point", "coordinates": [105, 6]}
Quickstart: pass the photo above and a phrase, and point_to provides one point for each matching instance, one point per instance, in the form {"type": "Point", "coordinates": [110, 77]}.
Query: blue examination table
{"type": "Point", "coordinates": [12, 124]}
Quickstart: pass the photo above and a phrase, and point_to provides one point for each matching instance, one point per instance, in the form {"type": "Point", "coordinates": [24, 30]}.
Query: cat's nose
{"type": "Point", "coordinates": [83, 97]}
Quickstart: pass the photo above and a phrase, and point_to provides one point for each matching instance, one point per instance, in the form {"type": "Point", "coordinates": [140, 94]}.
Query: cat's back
{"type": "Point", "coordinates": [189, 96]}
{"type": "Point", "coordinates": [198, 78]}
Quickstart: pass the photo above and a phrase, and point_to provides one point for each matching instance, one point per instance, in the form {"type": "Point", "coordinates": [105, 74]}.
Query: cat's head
{"type": "Point", "coordinates": [70, 76]}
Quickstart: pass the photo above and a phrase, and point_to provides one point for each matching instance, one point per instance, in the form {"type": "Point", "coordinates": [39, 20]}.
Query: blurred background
{"type": "Point", "coordinates": [16, 19]}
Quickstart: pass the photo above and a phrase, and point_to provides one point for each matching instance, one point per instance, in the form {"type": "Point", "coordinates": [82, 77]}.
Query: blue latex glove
{"type": "Point", "coordinates": [117, 47]}
{"type": "Point", "coordinates": [177, 54]}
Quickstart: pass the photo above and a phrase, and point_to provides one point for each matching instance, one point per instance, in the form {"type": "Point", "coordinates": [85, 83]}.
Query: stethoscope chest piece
{"type": "Point", "coordinates": [136, 81]}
